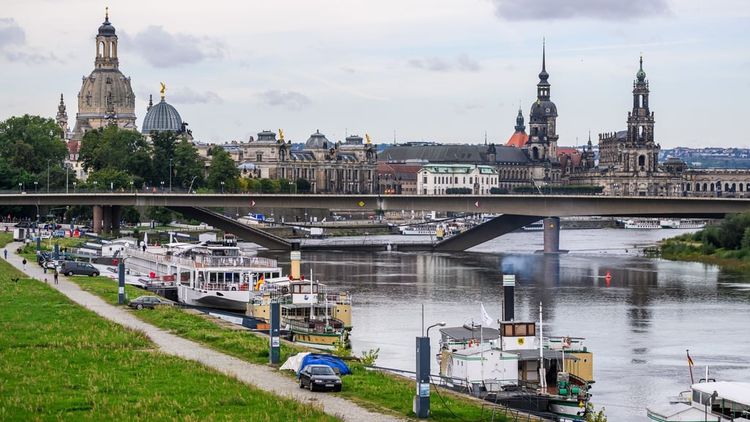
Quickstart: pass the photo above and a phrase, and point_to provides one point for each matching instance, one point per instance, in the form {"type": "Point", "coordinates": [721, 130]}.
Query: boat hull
{"type": "Point", "coordinates": [220, 299]}
{"type": "Point", "coordinates": [569, 409]}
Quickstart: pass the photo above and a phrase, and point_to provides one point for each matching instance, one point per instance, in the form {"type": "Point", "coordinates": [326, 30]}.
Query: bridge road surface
{"type": "Point", "coordinates": [260, 376]}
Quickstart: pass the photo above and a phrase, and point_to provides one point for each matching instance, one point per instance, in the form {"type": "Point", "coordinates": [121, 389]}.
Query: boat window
{"type": "Point", "coordinates": [220, 277]}
{"type": "Point", "coordinates": [521, 330]}
{"type": "Point", "coordinates": [212, 277]}
{"type": "Point", "coordinates": [531, 329]}
{"type": "Point", "coordinates": [508, 330]}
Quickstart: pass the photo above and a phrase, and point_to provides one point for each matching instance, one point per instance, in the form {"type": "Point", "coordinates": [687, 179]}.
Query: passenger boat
{"type": "Point", "coordinates": [707, 400]}
{"type": "Point", "coordinates": [312, 314]}
{"type": "Point", "coordinates": [641, 223]}
{"type": "Point", "coordinates": [683, 223]}
{"type": "Point", "coordinates": [537, 226]}
{"type": "Point", "coordinates": [418, 230]}
{"type": "Point", "coordinates": [513, 366]}
{"type": "Point", "coordinates": [211, 274]}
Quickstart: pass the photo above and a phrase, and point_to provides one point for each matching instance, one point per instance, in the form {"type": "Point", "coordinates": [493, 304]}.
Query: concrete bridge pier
{"type": "Point", "coordinates": [107, 219]}
{"type": "Point", "coordinates": [98, 213]}
{"type": "Point", "coordinates": [116, 218]}
{"type": "Point", "coordinates": [552, 235]}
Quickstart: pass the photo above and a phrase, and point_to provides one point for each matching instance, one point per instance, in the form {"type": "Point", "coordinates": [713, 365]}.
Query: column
{"type": "Point", "coordinates": [107, 219]}
{"type": "Point", "coordinates": [97, 223]}
{"type": "Point", "coordinates": [552, 235]}
{"type": "Point", "coordinates": [116, 217]}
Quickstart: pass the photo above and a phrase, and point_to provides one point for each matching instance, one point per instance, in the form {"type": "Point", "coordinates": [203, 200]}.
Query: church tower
{"type": "Point", "coordinates": [62, 118]}
{"type": "Point", "coordinates": [106, 97]}
{"type": "Point", "coordinates": [641, 119]}
{"type": "Point", "coordinates": [542, 144]}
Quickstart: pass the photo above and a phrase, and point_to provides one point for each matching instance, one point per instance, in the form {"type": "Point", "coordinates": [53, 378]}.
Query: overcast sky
{"type": "Point", "coordinates": [442, 70]}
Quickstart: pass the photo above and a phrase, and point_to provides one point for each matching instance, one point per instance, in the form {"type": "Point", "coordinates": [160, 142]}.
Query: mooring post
{"type": "Point", "coordinates": [121, 282]}
{"type": "Point", "coordinates": [552, 235]}
{"type": "Point", "coordinates": [275, 332]}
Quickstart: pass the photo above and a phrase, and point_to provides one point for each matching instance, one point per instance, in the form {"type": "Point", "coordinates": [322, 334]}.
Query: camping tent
{"type": "Point", "coordinates": [300, 360]}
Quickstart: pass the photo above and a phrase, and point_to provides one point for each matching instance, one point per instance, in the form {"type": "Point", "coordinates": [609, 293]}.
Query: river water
{"type": "Point", "coordinates": [638, 326]}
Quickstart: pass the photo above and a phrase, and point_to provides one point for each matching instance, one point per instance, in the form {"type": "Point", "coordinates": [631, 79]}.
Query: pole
{"type": "Point", "coordinates": [121, 282]}
{"type": "Point", "coordinates": [67, 187]}
{"type": "Point", "coordinates": [170, 175]}
{"type": "Point", "coordinates": [690, 366]}
{"type": "Point", "coordinates": [421, 404]}
{"type": "Point", "coordinates": [542, 378]}
{"type": "Point", "coordinates": [48, 176]}
{"type": "Point", "coordinates": [275, 333]}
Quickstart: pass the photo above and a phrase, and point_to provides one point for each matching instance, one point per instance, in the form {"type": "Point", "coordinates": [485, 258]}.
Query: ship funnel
{"type": "Point", "coordinates": [296, 257]}
{"type": "Point", "coordinates": [509, 287]}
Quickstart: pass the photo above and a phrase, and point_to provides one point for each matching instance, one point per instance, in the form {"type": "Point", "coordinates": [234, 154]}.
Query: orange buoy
{"type": "Point", "coordinates": [608, 278]}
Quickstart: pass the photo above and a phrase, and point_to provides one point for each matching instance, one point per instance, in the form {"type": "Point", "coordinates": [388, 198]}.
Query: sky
{"type": "Point", "coordinates": [412, 70]}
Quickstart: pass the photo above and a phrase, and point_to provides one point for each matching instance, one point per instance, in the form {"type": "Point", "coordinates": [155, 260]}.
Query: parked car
{"type": "Point", "coordinates": [149, 302]}
{"type": "Point", "coordinates": [58, 233]}
{"type": "Point", "coordinates": [319, 377]}
{"type": "Point", "coordinates": [77, 268]}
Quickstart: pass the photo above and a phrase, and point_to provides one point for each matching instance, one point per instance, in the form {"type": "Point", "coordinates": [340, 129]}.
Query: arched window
{"type": "Point", "coordinates": [705, 187]}
{"type": "Point", "coordinates": [697, 187]}
{"type": "Point", "coordinates": [726, 187]}
{"type": "Point", "coordinates": [734, 187]}
{"type": "Point", "coordinates": [535, 153]}
{"type": "Point", "coordinates": [712, 187]}
{"type": "Point", "coordinates": [641, 159]}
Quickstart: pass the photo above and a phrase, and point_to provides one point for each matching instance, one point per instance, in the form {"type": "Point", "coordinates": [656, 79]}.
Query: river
{"type": "Point", "coordinates": [638, 325]}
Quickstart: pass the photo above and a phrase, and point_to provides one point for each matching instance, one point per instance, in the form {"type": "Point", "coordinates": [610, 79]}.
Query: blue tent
{"type": "Point", "coordinates": [337, 364]}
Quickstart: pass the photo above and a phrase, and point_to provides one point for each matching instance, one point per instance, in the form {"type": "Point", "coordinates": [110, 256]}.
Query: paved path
{"type": "Point", "coordinates": [260, 376]}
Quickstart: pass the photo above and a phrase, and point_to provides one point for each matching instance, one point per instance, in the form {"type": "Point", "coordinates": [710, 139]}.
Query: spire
{"type": "Point", "coordinates": [150, 102]}
{"type": "Point", "coordinates": [590, 146]}
{"type": "Point", "coordinates": [543, 75]}
{"type": "Point", "coordinates": [641, 75]}
{"type": "Point", "coordinates": [519, 121]}
{"type": "Point", "coordinates": [106, 14]}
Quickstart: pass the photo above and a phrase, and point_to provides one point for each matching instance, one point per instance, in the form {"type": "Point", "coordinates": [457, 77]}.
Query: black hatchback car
{"type": "Point", "coordinates": [319, 377]}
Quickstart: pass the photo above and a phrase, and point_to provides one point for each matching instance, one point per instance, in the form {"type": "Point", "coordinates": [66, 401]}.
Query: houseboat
{"type": "Point", "coordinates": [714, 401]}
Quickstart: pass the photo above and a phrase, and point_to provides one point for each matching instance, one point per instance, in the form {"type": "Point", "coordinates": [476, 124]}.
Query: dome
{"type": "Point", "coordinates": [106, 29]}
{"type": "Point", "coordinates": [317, 141]}
{"type": "Point", "coordinates": [94, 96]}
{"type": "Point", "coordinates": [162, 117]}
{"type": "Point", "coordinates": [541, 109]}
{"type": "Point", "coordinates": [641, 75]}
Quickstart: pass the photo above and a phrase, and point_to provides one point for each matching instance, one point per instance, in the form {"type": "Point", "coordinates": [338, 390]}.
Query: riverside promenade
{"type": "Point", "coordinates": [260, 376]}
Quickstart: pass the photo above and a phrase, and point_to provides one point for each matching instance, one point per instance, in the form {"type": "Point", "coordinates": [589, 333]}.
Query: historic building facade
{"type": "Point", "coordinates": [629, 159]}
{"type": "Point", "coordinates": [438, 179]}
{"type": "Point", "coordinates": [106, 97]}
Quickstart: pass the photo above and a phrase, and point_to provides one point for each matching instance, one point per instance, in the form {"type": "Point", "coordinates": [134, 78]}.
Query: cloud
{"type": "Point", "coordinates": [187, 96]}
{"type": "Point", "coordinates": [519, 10]}
{"type": "Point", "coordinates": [289, 99]}
{"type": "Point", "coordinates": [162, 49]}
{"type": "Point", "coordinates": [436, 64]}
{"type": "Point", "coordinates": [13, 45]}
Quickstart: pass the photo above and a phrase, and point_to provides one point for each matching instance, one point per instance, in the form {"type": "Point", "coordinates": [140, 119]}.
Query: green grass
{"type": "Point", "coordinates": [59, 361]}
{"type": "Point", "coordinates": [372, 389]}
{"type": "Point", "coordinates": [683, 248]}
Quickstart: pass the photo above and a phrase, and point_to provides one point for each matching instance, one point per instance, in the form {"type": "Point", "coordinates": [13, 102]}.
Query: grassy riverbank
{"type": "Point", "coordinates": [374, 390]}
{"type": "Point", "coordinates": [60, 361]}
{"type": "Point", "coordinates": [726, 245]}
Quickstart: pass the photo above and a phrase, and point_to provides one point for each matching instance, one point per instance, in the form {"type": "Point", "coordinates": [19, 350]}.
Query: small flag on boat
{"type": "Point", "coordinates": [486, 319]}
{"type": "Point", "coordinates": [690, 360]}
{"type": "Point", "coordinates": [260, 282]}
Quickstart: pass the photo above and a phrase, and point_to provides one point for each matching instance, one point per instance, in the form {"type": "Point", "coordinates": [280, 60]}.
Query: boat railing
{"type": "Point", "coordinates": [234, 261]}
{"type": "Point", "coordinates": [236, 286]}
{"type": "Point", "coordinates": [159, 258]}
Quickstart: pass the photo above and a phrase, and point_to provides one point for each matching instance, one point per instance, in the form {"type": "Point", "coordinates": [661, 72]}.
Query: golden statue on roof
{"type": "Point", "coordinates": [281, 135]}
{"type": "Point", "coordinates": [162, 90]}
{"type": "Point", "coordinates": [367, 136]}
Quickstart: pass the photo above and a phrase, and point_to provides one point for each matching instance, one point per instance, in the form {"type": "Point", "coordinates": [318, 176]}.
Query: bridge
{"type": "Point", "coordinates": [517, 210]}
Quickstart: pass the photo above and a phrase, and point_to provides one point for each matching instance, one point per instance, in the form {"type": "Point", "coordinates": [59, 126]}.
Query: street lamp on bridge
{"type": "Point", "coordinates": [36, 184]}
{"type": "Point", "coordinates": [222, 186]}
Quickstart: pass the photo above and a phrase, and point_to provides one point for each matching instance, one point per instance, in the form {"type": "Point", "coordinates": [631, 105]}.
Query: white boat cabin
{"type": "Point", "coordinates": [483, 365]}
{"type": "Point", "coordinates": [720, 401]}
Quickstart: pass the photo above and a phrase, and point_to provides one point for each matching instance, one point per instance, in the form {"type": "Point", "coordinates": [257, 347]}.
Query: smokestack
{"type": "Point", "coordinates": [509, 286]}
{"type": "Point", "coordinates": [296, 257]}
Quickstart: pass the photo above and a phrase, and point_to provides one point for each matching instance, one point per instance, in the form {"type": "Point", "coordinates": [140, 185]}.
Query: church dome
{"type": "Point", "coordinates": [104, 89]}
{"type": "Point", "coordinates": [542, 109]}
{"type": "Point", "coordinates": [317, 141]}
{"type": "Point", "coordinates": [106, 29]}
{"type": "Point", "coordinates": [162, 117]}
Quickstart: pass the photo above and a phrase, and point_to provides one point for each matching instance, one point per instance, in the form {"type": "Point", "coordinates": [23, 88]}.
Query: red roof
{"type": "Point", "coordinates": [565, 153]}
{"type": "Point", "coordinates": [518, 139]}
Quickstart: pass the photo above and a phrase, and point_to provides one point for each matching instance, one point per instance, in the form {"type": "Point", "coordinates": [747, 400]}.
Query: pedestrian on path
{"type": "Point", "coordinates": [5, 254]}
{"type": "Point", "coordinates": [24, 264]}
{"type": "Point", "coordinates": [56, 275]}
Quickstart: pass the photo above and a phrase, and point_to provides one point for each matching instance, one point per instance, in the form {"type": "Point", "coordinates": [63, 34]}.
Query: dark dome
{"type": "Point", "coordinates": [543, 109]}
{"type": "Point", "coordinates": [317, 141]}
{"type": "Point", "coordinates": [106, 29]}
{"type": "Point", "coordinates": [162, 117]}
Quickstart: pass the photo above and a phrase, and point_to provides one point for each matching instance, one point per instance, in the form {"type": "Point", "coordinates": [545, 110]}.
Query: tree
{"type": "Point", "coordinates": [27, 142]}
{"type": "Point", "coordinates": [118, 149]}
{"type": "Point", "coordinates": [161, 215]}
{"type": "Point", "coordinates": [303, 186]}
{"type": "Point", "coordinates": [223, 169]}
{"type": "Point", "coordinates": [268, 186]}
{"type": "Point", "coordinates": [109, 178]}
{"type": "Point", "coordinates": [188, 167]}
{"type": "Point", "coordinates": [163, 150]}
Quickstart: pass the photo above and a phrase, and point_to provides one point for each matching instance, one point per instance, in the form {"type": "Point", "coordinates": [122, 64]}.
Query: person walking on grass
{"type": "Point", "coordinates": [24, 264]}
{"type": "Point", "coordinates": [5, 254]}
{"type": "Point", "coordinates": [56, 275]}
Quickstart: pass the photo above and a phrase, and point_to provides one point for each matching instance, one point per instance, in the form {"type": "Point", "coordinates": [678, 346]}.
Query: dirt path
{"type": "Point", "coordinates": [260, 376]}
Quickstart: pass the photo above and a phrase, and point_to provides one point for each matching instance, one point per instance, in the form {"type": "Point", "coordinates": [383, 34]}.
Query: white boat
{"type": "Point", "coordinates": [713, 401]}
{"type": "Point", "coordinates": [683, 223]}
{"type": "Point", "coordinates": [537, 226]}
{"type": "Point", "coordinates": [418, 230]}
{"type": "Point", "coordinates": [211, 274]}
{"type": "Point", "coordinates": [641, 223]}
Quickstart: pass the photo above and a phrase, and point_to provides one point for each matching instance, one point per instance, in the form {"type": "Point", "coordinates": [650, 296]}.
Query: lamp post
{"type": "Point", "coordinates": [36, 185]}
{"type": "Point", "coordinates": [20, 187]}
{"type": "Point", "coordinates": [75, 184]}
{"type": "Point", "coordinates": [132, 189]}
{"type": "Point", "coordinates": [67, 184]}
{"type": "Point", "coordinates": [95, 183]}
{"type": "Point", "coordinates": [222, 186]}
{"type": "Point", "coordinates": [190, 189]}
{"type": "Point", "coordinates": [421, 404]}
{"type": "Point", "coordinates": [48, 161]}
{"type": "Point", "coordinates": [162, 186]}
{"type": "Point", "coordinates": [170, 175]}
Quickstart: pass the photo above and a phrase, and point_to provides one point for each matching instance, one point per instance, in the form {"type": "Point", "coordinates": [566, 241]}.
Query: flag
{"type": "Point", "coordinates": [690, 360]}
{"type": "Point", "coordinates": [486, 319]}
